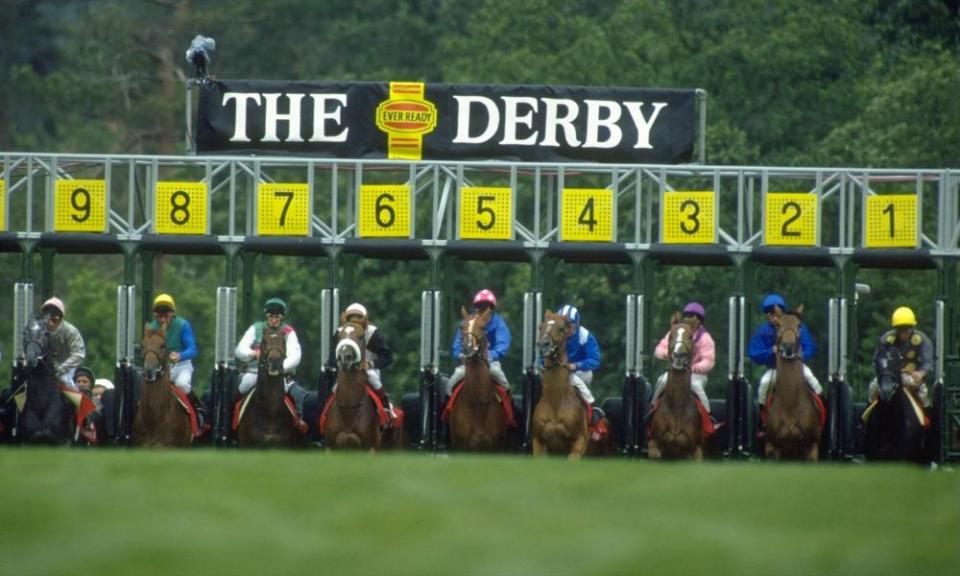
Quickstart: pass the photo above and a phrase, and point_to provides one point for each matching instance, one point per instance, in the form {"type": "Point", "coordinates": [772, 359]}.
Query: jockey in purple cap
{"type": "Point", "coordinates": [703, 358]}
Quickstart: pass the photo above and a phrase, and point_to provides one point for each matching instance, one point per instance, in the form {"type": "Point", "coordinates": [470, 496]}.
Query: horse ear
{"type": "Point", "coordinates": [777, 310]}
{"type": "Point", "coordinates": [799, 310]}
{"type": "Point", "coordinates": [463, 312]}
{"type": "Point", "coordinates": [675, 319]}
{"type": "Point", "coordinates": [486, 315]}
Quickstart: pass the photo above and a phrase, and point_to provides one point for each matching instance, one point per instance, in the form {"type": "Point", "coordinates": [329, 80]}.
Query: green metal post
{"type": "Point", "coordinates": [147, 258]}
{"type": "Point", "coordinates": [46, 282]}
{"type": "Point", "coordinates": [249, 260]}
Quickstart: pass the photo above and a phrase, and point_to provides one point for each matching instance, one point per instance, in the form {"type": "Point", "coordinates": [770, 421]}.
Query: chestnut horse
{"type": "Point", "coordinates": [792, 417]}
{"type": "Point", "coordinates": [352, 420]}
{"type": "Point", "coordinates": [477, 420]}
{"type": "Point", "coordinates": [267, 422]}
{"type": "Point", "coordinates": [560, 419]}
{"type": "Point", "coordinates": [160, 421]}
{"type": "Point", "coordinates": [47, 417]}
{"type": "Point", "coordinates": [676, 430]}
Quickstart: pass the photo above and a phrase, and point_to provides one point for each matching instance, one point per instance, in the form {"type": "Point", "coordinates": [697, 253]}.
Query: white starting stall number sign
{"type": "Point", "coordinates": [486, 213]}
{"type": "Point", "coordinates": [181, 208]}
{"type": "Point", "coordinates": [80, 206]}
{"type": "Point", "coordinates": [384, 211]}
{"type": "Point", "coordinates": [283, 209]}
{"type": "Point", "coordinates": [791, 219]}
{"type": "Point", "coordinates": [587, 215]}
{"type": "Point", "coordinates": [688, 217]}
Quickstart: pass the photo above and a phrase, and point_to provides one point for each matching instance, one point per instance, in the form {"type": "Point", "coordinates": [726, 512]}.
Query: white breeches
{"type": "Point", "coordinates": [181, 375]}
{"type": "Point", "coordinates": [697, 382]}
{"type": "Point", "coordinates": [923, 394]}
{"type": "Point", "coordinates": [580, 380]}
{"type": "Point", "coordinates": [496, 372]}
{"type": "Point", "coordinates": [771, 374]}
{"type": "Point", "coordinates": [249, 380]}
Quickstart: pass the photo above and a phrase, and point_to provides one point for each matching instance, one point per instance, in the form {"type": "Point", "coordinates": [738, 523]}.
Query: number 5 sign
{"type": "Point", "coordinates": [181, 208]}
{"type": "Point", "coordinates": [384, 211]}
{"type": "Point", "coordinates": [486, 213]}
{"type": "Point", "coordinates": [283, 210]}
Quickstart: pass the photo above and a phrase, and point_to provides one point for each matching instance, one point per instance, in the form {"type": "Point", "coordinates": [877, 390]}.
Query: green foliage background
{"type": "Point", "coordinates": [827, 82]}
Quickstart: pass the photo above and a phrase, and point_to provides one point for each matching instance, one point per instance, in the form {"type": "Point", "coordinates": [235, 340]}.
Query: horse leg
{"type": "Point", "coordinates": [770, 451]}
{"type": "Point", "coordinates": [539, 449]}
{"type": "Point", "coordinates": [813, 454]}
{"type": "Point", "coordinates": [579, 447]}
{"type": "Point", "coordinates": [653, 451]}
{"type": "Point", "coordinates": [698, 454]}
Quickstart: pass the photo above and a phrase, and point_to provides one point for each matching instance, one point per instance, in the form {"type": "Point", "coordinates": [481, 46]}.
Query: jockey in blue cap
{"type": "Point", "coordinates": [763, 346]}
{"type": "Point", "coordinates": [583, 355]}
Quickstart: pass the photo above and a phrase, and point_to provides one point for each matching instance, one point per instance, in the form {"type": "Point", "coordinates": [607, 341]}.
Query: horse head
{"type": "Point", "coordinates": [888, 369]}
{"type": "Point", "coordinates": [473, 336]}
{"type": "Point", "coordinates": [154, 352]}
{"type": "Point", "coordinates": [273, 350]}
{"type": "Point", "coordinates": [551, 339]}
{"type": "Point", "coordinates": [680, 344]}
{"type": "Point", "coordinates": [788, 332]}
{"type": "Point", "coordinates": [36, 342]}
{"type": "Point", "coordinates": [351, 346]}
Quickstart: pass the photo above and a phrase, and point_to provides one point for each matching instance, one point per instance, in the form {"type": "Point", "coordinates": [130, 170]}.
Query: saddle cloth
{"type": "Point", "coordinates": [705, 420]}
{"type": "Point", "coordinates": [503, 397]}
{"type": "Point", "coordinates": [187, 405]}
{"type": "Point", "coordinates": [918, 410]}
{"type": "Point", "coordinates": [240, 408]}
{"type": "Point", "coordinates": [382, 417]}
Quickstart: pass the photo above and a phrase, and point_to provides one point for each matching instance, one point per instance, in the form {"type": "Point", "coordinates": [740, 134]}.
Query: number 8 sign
{"type": "Point", "coordinates": [181, 208]}
{"type": "Point", "coordinates": [384, 211]}
{"type": "Point", "coordinates": [283, 210]}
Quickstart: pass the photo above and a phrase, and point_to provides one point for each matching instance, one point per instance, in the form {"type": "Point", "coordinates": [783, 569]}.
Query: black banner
{"type": "Point", "coordinates": [410, 120]}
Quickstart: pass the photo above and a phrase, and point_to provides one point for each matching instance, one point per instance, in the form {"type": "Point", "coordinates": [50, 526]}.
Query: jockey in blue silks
{"type": "Point", "coordinates": [498, 342]}
{"type": "Point", "coordinates": [763, 345]}
{"type": "Point", "coordinates": [583, 356]}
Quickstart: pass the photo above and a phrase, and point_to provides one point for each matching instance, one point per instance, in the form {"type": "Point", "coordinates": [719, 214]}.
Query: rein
{"type": "Point", "coordinates": [162, 365]}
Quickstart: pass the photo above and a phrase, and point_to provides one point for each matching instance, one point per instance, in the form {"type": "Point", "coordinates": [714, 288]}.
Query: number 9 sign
{"type": "Point", "coordinates": [384, 211]}
{"type": "Point", "coordinates": [80, 206]}
{"type": "Point", "coordinates": [181, 208]}
{"type": "Point", "coordinates": [283, 210]}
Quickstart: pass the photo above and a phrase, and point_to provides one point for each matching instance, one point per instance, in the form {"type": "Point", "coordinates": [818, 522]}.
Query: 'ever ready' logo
{"type": "Point", "coordinates": [406, 117]}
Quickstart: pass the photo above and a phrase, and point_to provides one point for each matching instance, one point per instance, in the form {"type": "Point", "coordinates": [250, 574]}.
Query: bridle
{"type": "Point", "coordinates": [679, 349]}
{"type": "Point", "coordinates": [161, 363]}
{"type": "Point", "coordinates": [549, 344]}
{"type": "Point", "coordinates": [782, 347]}
{"type": "Point", "coordinates": [478, 342]}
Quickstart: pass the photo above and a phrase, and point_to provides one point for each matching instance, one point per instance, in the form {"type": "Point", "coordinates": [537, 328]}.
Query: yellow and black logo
{"type": "Point", "coordinates": [406, 117]}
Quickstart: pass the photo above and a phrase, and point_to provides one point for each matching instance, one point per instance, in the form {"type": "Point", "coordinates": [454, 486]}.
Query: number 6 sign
{"type": "Point", "coordinates": [384, 211]}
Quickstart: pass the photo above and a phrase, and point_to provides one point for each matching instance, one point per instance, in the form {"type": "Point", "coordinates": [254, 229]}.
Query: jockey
{"type": "Point", "coordinates": [916, 349]}
{"type": "Point", "coordinates": [378, 354]}
{"type": "Point", "coordinates": [181, 346]}
{"type": "Point", "coordinates": [583, 357]}
{"type": "Point", "coordinates": [763, 346]}
{"type": "Point", "coordinates": [498, 342]}
{"type": "Point", "coordinates": [248, 350]}
{"type": "Point", "coordinates": [66, 343]}
{"type": "Point", "coordinates": [702, 360]}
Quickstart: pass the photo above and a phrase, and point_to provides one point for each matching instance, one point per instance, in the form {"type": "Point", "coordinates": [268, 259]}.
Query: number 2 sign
{"type": "Point", "coordinates": [791, 219]}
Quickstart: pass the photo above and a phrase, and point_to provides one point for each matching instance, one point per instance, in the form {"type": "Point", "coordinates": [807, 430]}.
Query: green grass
{"type": "Point", "coordinates": [115, 512]}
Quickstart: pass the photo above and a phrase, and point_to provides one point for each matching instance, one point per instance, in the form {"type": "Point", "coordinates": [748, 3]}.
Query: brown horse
{"type": "Point", "coordinates": [559, 420]}
{"type": "Point", "coordinates": [352, 422]}
{"type": "Point", "coordinates": [267, 422]}
{"type": "Point", "coordinates": [792, 418]}
{"type": "Point", "coordinates": [477, 421]}
{"type": "Point", "coordinates": [160, 420]}
{"type": "Point", "coordinates": [676, 430]}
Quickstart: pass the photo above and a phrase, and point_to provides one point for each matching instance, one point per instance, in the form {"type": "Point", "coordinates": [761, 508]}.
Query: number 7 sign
{"type": "Point", "coordinates": [283, 210]}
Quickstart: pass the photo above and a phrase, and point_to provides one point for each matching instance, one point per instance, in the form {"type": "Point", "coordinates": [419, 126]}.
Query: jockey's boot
{"type": "Point", "coordinates": [298, 393]}
{"type": "Point", "coordinates": [387, 405]}
{"type": "Point", "coordinates": [596, 415]}
{"type": "Point", "coordinates": [201, 409]}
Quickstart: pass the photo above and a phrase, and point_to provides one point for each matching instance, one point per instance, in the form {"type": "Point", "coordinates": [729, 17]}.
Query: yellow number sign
{"type": "Point", "coordinates": [891, 221]}
{"type": "Point", "coordinates": [80, 206]}
{"type": "Point", "coordinates": [181, 208]}
{"type": "Point", "coordinates": [688, 217]}
{"type": "Point", "coordinates": [791, 219]}
{"type": "Point", "coordinates": [3, 205]}
{"type": "Point", "coordinates": [384, 211]}
{"type": "Point", "coordinates": [586, 215]}
{"type": "Point", "coordinates": [283, 210]}
{"type": "Point", "coordinates": [486, 213]}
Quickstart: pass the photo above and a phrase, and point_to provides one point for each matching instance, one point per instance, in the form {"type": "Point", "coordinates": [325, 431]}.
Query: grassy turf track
{"type": "Point", "coordinates": [117, 512]}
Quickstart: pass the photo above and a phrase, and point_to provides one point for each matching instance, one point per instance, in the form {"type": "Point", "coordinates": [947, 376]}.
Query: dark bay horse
{"type": "Point", "coordinates": [352, 421]}
{"type": "Point", "coordinates": [676, 430]}
{"type": "Point", "coordinates": [160, 420]}
{"type": "Point", "coordinates": [478, 421]}
{"type": "Point", "coordinates": [894, 424]}
{"type": "Point", "coordinates": [47, 416]}
{"type": "Point", "coordinates": [267, 422]}
{"type": "Point", "coordinates": [792, 417]}
{"type": "Point", "coordinates": [560, 419]}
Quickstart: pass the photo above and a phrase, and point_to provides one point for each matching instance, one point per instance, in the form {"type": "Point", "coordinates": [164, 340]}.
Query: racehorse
{"type": "Point", "coordinates": [894, 422]}
{"type": "Point", "coordinates": [267, 421]}
{"type": "Point", "coordinates": [477, 421]}
{"type": "Point", "coordinates": [352, 421]}
{"type": "Point", "coordinates": [160, 420]}
{"type": "Point", "coordinates": [560, 418]}
{"type": "Point", "coordinates": [676, 429]}
{"type": "Point", "coordinates": [792, 417]}
{"type": "Point", "coordinates": [47, 416]}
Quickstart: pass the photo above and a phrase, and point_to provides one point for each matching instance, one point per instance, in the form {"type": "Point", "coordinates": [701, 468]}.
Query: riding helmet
{"type": "Point", "coordinates": [84, 371]}
{"type": "Point", "coordinates": [56, 304]}
{"type": "Point", "coordinates": [275, 306]}
{"type": "Point", "coordinates": [695, 308]}
{"type": "Point", "coordinates": [773, 300]}
{"type": "Point", "coordinates": [903, 317]}
{"type": "Point", "coordinates": [487, 296]}
{"type": "Point", "coordinates": [354, 309]}
{"type": "Point", "coordinates": [164, 301]}
{"type": "Point", "coordinates": [570, 313]}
